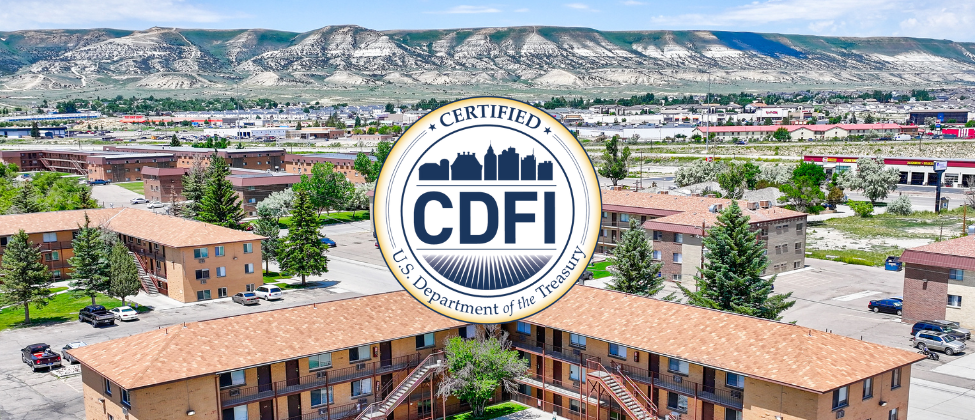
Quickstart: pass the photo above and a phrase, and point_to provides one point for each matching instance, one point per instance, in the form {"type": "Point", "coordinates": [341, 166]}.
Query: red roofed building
{"type": "Point", "coordinates": [804, 132]}
{"type": "Point", "coordinates": [939, 282]}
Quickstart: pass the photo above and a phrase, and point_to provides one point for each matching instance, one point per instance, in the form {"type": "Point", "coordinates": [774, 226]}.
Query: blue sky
{"type": "Point", "coordinates": [943, 19]}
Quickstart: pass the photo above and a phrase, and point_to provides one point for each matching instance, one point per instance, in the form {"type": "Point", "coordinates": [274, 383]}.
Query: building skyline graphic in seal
{"type": "Point", "coordinates": [483, 234]}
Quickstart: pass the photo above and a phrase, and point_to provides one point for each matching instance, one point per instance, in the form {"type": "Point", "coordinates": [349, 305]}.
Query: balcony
{"type": "Point", "coordinates": [563, 353]}
{"type": "Point", "coordinates": [52, 246]}
{"type": "Point", "coordinates": [731, 398]}
{"type": "Point", "coordinates": [242, 395]}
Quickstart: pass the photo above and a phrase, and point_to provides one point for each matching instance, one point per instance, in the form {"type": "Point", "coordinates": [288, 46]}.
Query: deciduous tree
{"type": "Point", "coordinates": [476, 368]}
{"type": "Point", "coordinates": [26, 280]}
{"type": "Point", "coordinates": [615, 161]}
{"type": "Point", "coordinates": [873, 177]}
{"type": "Point", "coordinates": [123, 275]}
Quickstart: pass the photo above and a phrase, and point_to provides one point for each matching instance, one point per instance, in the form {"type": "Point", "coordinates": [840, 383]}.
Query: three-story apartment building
{"type": "Point", "coordinates": [593, 354]}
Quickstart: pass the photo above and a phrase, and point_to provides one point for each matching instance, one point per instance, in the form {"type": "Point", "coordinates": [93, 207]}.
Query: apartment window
{"type": "Point", "coordinates": [319, 361]}
{"type": "Point", "coordinates": [892, 415]}
{"type": "Point", "coordinates": [126, 398]}
{"type": "Point", "coordinates": [676, 402]}
{"type": "Point", "coordinates": [679, 238]}
{"type": "Point", "coordinates": [321, 396]}
{"type": "Point", "coordinates": [841, 397]}
{"type": "Point", "coordinates": [617, 350]}
{"type": "Point", "coordinates": [658, 235]}
{"type": "Point", "coordinates": [954, 301]}
{"type": "Point", "coordinates": [624, 218]}
{"type": "Point", "coordinates": [679, 366]}
{"type": "Point", "coordinates": [424, 408]}
{"type": "Point", "coordinates": [868, 388]}
{"type": "Point", "coordinates": [250, 287]}
{"type": "Point", "coordinates": [953, 274]}
{"type": "Point", "coordinates": [797, 265]}
{"type": "Point", "coordinates": [734, 380]}
{"type": "Point", "coordinates": [676, 277]}
{"type": "Point", "coordinates": [359, 353]}
{"type": "Point", "coordinates": [203, 274]}
{"type": "Point", "coordinates": [524, 328]}
{"type": "Point", "coordinates": [235, 413]}
{"type": "Point", "coordinates": [108, 387]}
{"type": "Point", "coordinates": [362, 387]}
{"type": "Point", "coordinates": [52, 256]}
{"type": "Point", "coordinates": [203, 295]}
{"type": "Point", "coordinates": [730, 414]}
{"type": "Point", "coordinates": [3, 240]}
{"type": "Point", "coordinates": [577, 373]}
{"type": "Point", "coordinates": [234, 378]}
{"type": "Point", "coordinates": [678, 257]}
{"type": "Point", "coordinates": [574, 406]}
{"type": "Point", "coordinates": [218, 251]}
{"type": "Point", "coordinates": [798, 227]}
{"type": "Point", "coordinates": [798, 246]}
{"type": "Point", "coordinates": [56, 274]}
{"type": "Point", "coordinates": [657, 255]}
{"type": "Point", "coordinates": [577, 340]}
{"type": "Point", "coordinates": [248, 268]}
{"type": "Point", "coordinates": [424, 340]}
{"type": "Point", "coordinates": [199, 253]}
{"type": "Point", "coordinates": [222, 292]}
{"type": "Point", "coordinates": [221, 271]}
{"type": "Point", "coordinates": [467, 332]}
{"type": "Point", "coordinates": [248, 248]}
{"type": "Point", "coordinates": [50, 237]}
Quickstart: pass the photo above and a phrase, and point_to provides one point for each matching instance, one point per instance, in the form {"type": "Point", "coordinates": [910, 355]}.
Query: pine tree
{"type": "Point", "coordinates": [174, 142]}
{"type": "Point", "coordinates": [298, 126]}
{"type": "Point", "coordinates": [123, 275]}
{"type": "Point", "coordinates": [35, 132]}
{"type": "Point", "coordinates": [302, 251]}
{"type": "Point", "coordinates": [25, 200]}
{"type": "Point", "coordinates": [90, 261]}
{"type": "Point", "coordinates": [193, 184]}
{"type": "Point", "coordinates": [731, 279]}
{"type": "Point", "coordinates": [267, 226]}
{"type": "Point", "coordinates": [25, 279]}
{"type": "Point", "coordinates": [634, 270]}
{"type": "Point", "coordinates": [220, 204]}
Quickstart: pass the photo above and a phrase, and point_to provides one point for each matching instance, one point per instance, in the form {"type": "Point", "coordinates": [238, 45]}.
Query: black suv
{"type": "Point", "coordinates": [941, 327]}
{"type": "Point", "coordinates": [96, 315]}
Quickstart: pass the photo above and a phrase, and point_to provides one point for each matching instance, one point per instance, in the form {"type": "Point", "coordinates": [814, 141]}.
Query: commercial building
{"type": "Point", "coordinates": [247, 132]}
{"type": "Point", "coordinates": [803, 132]}
{"type": "Point", "coordinates": [343, 162]}
{"type": "Point", "coordinates": [311, 133]}
{"type": "Point", "coordinates": [593, 352]}
{"type": "Point", "coordinates": [918, 116]}
{"type": "Point", "coordinates": [939, 282]}
{"type": "Point", "coordinates": [25, 131]}
{"type": "Point", "coordinates": [186, 260]}
{"type": "Point", "coordinates": [913, 170]}
{"type": "Point", "coordinates": [677, 225]}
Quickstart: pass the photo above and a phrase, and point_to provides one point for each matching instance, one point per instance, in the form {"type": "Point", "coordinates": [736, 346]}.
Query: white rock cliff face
{"type": "Point", "coordinates": [168, 58]}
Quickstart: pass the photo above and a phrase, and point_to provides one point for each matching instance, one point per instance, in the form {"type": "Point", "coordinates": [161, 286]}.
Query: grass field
{"type": "Point", "coordinates": [851, 256]}
{"type": "Point", "coordinates": [135, 187]}
{"type": "Point", "coordinates": [62, 308]}
{"type": "Point", "coordinates": [491, 412]}
{"type": "Point", "coordinates": [274, 276]}
{"type": "Point", "coordinates": [331, 219]}
{"type": "Point", "coordinates": [600, 270]}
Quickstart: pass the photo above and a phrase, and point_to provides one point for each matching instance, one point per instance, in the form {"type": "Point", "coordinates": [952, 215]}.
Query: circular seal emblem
{"type": "Point", "coordinates": [487, 210]}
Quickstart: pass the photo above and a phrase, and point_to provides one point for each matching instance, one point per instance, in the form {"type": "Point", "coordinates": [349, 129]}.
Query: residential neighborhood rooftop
{"type": "Point", "coordinates": [955, 253]}
{"type": "Point", "coordinates": [686, 210]}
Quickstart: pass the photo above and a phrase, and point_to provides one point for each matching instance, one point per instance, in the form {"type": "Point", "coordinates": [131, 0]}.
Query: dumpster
{"type": "Point", "coordinates": [893, 264]}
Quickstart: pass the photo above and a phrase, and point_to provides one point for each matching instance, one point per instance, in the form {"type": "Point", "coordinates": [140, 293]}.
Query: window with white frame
{"type": "Point", "coordinates": [577, 340]}
{"type": "Point", "coordinates": [524, 328]}
{"type": "Point", "coordinates": [248, 268]}
{"type": "Point", "coordinates": [321, 396]}
{"type": "Point", "coordinates": [362, 387]}
{"type": "Point", "coordinates": [892, 415]}
{"type": "Point", "coordinates": [954, 301]}
{"type": "Point", "coordinates": [233, 378]}
{"type": "Point", "coordinates": [658, 235]}
{"type": "Point", "coordinates": [841, 397]}
{"type": "Point", "coordinates": [734, 380]}
{"type": "Point", "coordinates": [677, 277]}
{"type": "Point", "coordinates": [234, 413]}
{"type": "Point", "coordinates": [221, 271]}
{"type": "Point", "coordinates": [731, 414]}
{"type": "Point", "coordinates": [248, 248]}
{"type": "Point", "coordinates": [359, 353]}
{"type": "Point", "coordinates": [956, 274]}
{"type": "Point", "coordinates": [222, 292]}
{"type": "Point", "coordinates": [424, 340]}
{"type": "Point", "coordinates": [218, 251]}
{"type": "Point", "coordinates": [678, 366]}
{"type": "Point", "coordinates": [50, 237]}
{"type": "Point", "coordinates": [320, 361]}
{"type": "Point", "coordinates": [126, 398]}
{"type": "Point", "coordinates": [677, 402]}
{"type": "Point", "coordinates": [617, 350]}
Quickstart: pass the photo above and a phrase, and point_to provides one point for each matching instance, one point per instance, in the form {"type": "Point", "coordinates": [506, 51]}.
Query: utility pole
{"type": "Point", "coordinates": [707, 122]}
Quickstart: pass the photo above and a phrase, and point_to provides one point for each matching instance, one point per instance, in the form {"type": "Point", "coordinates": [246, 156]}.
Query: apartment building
{"type": "Point", "coordinates": [939, 281]}
{"type": "Point", "coordinates": [127, 166]}
{"type": "Point", "coordinates": [587, 354]}
{"type": "Point", "coordinates": [254, 186]}
{"type": "Point", "coordinates": [95, 165]}
{"type": "Point", "coordinates": [343, 162]}
{"type": "Point", "coordinates": [164, 185]}
{"type": "Point", "coordinates": [262, 158]}
{"type": "Point", "coordinates": [184, 259]}
{"type": "Point", "coordinates": [677, 225]}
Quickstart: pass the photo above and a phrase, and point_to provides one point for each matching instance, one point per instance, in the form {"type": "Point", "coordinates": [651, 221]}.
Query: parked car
{"type": "Point", "coordinates": [927, 325]}
{"type": "Point", "coordinates": [125, 313]}
{"type": "Point", "coordinates": [329, 242]}
{"type": "Point", "coordinates": [377, 244]}
{"type": "Point", "coordinates": [155, 205]}
{"type": "Point", "coordinates": [67, 357]}
{"type": "Point", "coordinates": [96, 315]}
{"type": "Point", "coordinates": [138, 200]}
{"type": "Point", "coordinates": [39, 355]}
{"type": "Point", "coordinates": [955, 326]}
{"type": "Point", "coordinates": [886, 305]}
{"type": "Point", "coordinates": [246, 298]}
{"type": "Point", "coordinates": [586, 275]}
{"type": "Point", "coordinates": [938, 341]}
{"type": "Point", "coordinates": [268, 292]}
{"type": "Point", "coordinates": [97, 182]}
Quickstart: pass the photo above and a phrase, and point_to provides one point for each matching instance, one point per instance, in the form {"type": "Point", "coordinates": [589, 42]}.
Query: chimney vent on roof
{"type": "Point", "coordinates": [752, 205]}
{"type": "Point", "coordinates": [714, 208]}
{"type": "Point", "coordinates": [668, 192]}
{"type": "Point", "coordinates": [765, 204]}
{"type": "Point", "coordinates": [695, 195]}
{"type": "Point", "coordinates": [712, 196]}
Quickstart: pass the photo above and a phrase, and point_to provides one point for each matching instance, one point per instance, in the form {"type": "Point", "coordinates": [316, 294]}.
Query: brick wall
{"type": "Point", "coordinates": [667, 248]}
{"type": "Point", "coordinates": [924, 300]}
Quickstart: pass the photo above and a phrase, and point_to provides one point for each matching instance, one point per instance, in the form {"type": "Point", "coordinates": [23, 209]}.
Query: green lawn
{"type": "Point", "coordinates": [851, 256]}
{"type": "Point", "coordinates": [330, 219]}
{"type": "Point", "coordinates": [58, 289]}
{"type": "Point", "coordinates": [274, 276]}
{"type": "Point", "coordinates": [491, 412]}
{"type": "Point", "coordinates": [600, 270]}
{"type": "Point", "coordinates": [62, 308]}
{"type": "Point", "coordinates": [135, 187]}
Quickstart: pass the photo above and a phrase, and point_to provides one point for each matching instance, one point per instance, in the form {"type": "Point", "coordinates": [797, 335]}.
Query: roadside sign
{"type": "Point", "coordinates": [940, 165]}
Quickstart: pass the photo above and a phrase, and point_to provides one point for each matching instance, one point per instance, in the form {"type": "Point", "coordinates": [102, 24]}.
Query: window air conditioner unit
{"type": "Point", "coordinates": [322, 411]}
{"type": "Point", "coordinates": [840, 414]}
{"type": "Point", "coordinates": [321, 375]}
{"type": "Point", "coordinates": [678, 379]}
{"type": "Point", "coordinates": [202, 260]}
{"type": "Point", "coordinates": [360, 366]}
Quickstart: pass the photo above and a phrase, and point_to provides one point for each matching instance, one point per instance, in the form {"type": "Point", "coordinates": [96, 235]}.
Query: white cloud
{"type": "Point", "coordinates": [578, 6]}
{"type": "Point", "coordinates": [774, 11]}
{"type": "Point", "coordinates": [633, 3]}
{"type": "Point", "coordinates": [58, 13]}
{"type": "Point", "coordinates": [521, 10]}
{"type": "Point", "coordinates": [468, 10]}
{"type": "Point", "coordinates": [821, 26]}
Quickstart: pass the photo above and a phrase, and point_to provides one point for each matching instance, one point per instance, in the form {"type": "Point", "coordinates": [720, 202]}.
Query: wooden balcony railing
{"type": "Point", "coordinates": [52, 246]}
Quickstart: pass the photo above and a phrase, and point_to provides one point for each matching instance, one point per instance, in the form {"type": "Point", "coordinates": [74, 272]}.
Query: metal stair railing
{"type": "Point", "coordinates": [632, 385]}
{"type": "Point", "coordinates": [598, 372]}
{"type": "Point", "coordinates": [382, 408]}
{"type": "Point", "coordinates": [147, 284]}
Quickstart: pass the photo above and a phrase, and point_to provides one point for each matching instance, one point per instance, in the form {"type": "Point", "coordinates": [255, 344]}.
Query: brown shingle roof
{"type": "Point", "coordinates": [692, 210]}
{"type": "Point", "coordinates": [954, 253]}
{"type": "Point", "coordinates": [960, 247]}
{"type": "Point", "coordinates": [143, 224]}
{"type": "Point", "coordinates": [200, 348]}
{"type": "Point", "coordinates": [773, 351]}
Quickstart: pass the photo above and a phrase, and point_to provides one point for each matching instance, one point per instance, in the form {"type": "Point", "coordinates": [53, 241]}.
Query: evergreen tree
{"type": "Point", "coordinates": [84, 198]}
{"type": "Point", "coordinates": [123, 275]}
{"type": "Point", "coordinates": [25, 278]}
{"type": "Point", "coordinates": [302, 251]}
{"type": "Point", "coordinates": [267, 226]}
{"type": "Point", "coordinates": [90, 261]}
{"type": "Point", "coordinates": [298, 126]}
{"type": "Point", "coordinates": [25, 200]}
{"type": "Point", "coordinates": [615, 162]}
{"type": "Point", "coordinates": [634, 270]}
{"type": "Point", "coordinates": [35, 132]}
{"type": "Point", "coordinates": [220, 204]}
{"type": "Point", "coordinates": [174, 142]}
{"type": "Point", "coordinates": [193, 184]}
{"type": "Point", "coordinates": [731, 279]}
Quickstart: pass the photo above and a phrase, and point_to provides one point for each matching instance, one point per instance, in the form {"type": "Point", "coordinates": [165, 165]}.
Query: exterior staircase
{"type": "Point", "coordinates": [381, 409]}
{"type": "Point", "coordinates": [635, 403]}
{"type": "Point", "coordinates": [147, 284]}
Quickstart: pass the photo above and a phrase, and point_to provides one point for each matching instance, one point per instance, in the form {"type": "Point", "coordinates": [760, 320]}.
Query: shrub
{"type": "Point", "coordinates": [861, 208]}
{"type": "Point", "coordinates": [900, 206]}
